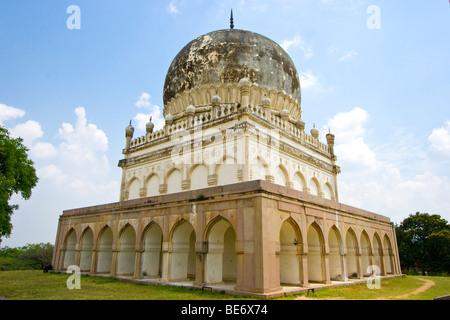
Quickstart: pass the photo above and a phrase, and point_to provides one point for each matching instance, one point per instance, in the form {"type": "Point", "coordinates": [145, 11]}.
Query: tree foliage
{"type": "Point", "coordinates": [31, 256]}
{"type": "Point", "coordinates": [424, 243]}
{"type": "Point", "coordinates": [17, 176]}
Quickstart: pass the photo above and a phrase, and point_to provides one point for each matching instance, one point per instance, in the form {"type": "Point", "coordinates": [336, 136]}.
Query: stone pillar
{"type": "Point", "coordinates": [245, 86]}
{"type": "Point", "coordinates": [215, 101]}
{"type": "Point", "coordinates": [137, 264]}
{"type": "Point", "coordinates": [165, 262]}
{"type": "Point", "coordinates": [93, 270]}
{"type": "Point", "coordinates": [304, 262]}
{"type": "Point", "coordinates": [190, 113]}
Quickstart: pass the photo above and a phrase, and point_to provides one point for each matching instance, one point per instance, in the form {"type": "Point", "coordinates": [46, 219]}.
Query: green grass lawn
{"type": "Point", "coordinates": [35, 285]}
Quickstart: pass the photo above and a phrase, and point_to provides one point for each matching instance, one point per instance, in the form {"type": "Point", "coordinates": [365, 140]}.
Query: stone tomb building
{"type": "Point", "coordinates": [232, 190]}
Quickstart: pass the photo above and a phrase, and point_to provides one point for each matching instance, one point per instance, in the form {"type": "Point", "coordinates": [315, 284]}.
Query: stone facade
{"type": "Point", "coordinates": [232, 189]}
{"type": "Point", "coordinates": [257, 235]}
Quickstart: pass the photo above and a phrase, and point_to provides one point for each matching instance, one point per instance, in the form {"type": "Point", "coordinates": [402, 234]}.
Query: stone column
{"type": "Point", "coordinates": [165, 266]}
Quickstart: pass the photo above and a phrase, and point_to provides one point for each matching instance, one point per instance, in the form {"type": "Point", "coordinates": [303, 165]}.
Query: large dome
{"type": "Point", "coordinates": [225, 57]}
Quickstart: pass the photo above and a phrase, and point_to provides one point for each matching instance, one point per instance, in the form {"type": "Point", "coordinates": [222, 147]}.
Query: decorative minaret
{"type": "Point", "coordinates": [315, 132]}
{"type": "Point", "coordinates": [129, 131]}
{"type": "Point", "coordinates": [149, 126]}
{"type": "Point", "coordinates": [330, 142]}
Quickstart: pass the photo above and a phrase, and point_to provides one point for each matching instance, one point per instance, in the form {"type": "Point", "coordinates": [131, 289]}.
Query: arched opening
{"type": "Point", "coordinates": [127, 251]}
{"type": "Point", "coordinates": [104, 257]}
{"type": "Point", "coordinates": [227, 172]}
{"type": "Point", "coordinates": [182, 265]}
{"type": "Point", "coordinates": [352, 256]}
{"type": "Point", "coordinates": [280, 177]}
{"type": "Point", "coordinates": [70, 252]}
{"type": "Point", "coordinates": [335, 256]}
{"type": "Point", "coordinates": [258, 170]}
{"type": "Point", "coordinates": [152, 252]}
{"type": "Point", "coordinates": [153, 186]}
{"type": "Point", "coordinates": [290, 253]}
{"type": "Point", "coordinates": [365, 254]}
{"type": "Point", "coordinates": [199, 177]}
{"type": "Point", "coordinates": [315, 254]}
{"type": "Point", "coordinates": [388, 255]}
{"type": "Point", "coordinates": [133, 189]}
{"type": "Point", "coordinates": [298, 183]}
{"type": "Point", "coordinates": [314, 187]}
{"type": "Point", "coordinates": [174, 182]}
{"type": "Point", "coordinates": [377, 254]}
{"type": "Point", "coordinates": [87, 245]}
{"type": "Point", "coordinates": [328, 192]}
{"type": "Point", "coordinates": [221, 256]}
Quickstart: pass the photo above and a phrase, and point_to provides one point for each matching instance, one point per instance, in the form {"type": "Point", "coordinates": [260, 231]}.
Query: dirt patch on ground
{"type": "Point", "coordinates": [427, 285]}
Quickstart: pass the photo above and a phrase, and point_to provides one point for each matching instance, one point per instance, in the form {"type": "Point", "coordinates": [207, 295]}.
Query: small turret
{"type": "Point", "coordinates": [149, 126]}
{"type": "Point", "coordinates": [315, 132]}
{"type": "Point", "coordinates": [129, 131]}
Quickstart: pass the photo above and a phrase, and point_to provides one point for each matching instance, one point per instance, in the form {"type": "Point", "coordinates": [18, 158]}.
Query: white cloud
{"type": "Point", "coordinates": [155, 113]}
{"type": "Point", "coordinates": [43, 150]}
{"type": "Point", "coordinates": [28, 131]}
{"type": "Point", "coordinates": [349, 125]}
{"type": "Point", "coordinates": [440, 140]}
{"type": "Point", "coordinates": [308, 80]}
{"type": "Point", "coordinates": [143, 101]}
{"type": "Point", "coordinates": [172, 8]}
{"type": "Point", "coordinates": [7, 113]}
{"type": "Point", "coordinates": [298, 42]}
{"type": "Point", "coordinates": [348, 55]}
{"type": "Point", "coordinates": [382, 181]}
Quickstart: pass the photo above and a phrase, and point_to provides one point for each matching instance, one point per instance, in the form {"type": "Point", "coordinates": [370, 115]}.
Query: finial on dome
{"type": "Point", "coordinates": [231, 20]}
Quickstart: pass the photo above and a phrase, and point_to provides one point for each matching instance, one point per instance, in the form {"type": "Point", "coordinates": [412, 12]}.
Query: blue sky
{"type": "Point", "coordinates": [383, 91]}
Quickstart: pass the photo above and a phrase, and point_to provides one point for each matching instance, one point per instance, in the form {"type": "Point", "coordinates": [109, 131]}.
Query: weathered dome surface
{"type": "Point", "coordinates": [225, 57]}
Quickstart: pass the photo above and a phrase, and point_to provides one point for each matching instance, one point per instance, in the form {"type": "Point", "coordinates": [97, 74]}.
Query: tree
{"type": "Point", "coordinates": [37, 256]}
{"type": "Point", "coordinates": [424, 242]}
{"type": "Point", "coordinates": [17, 175]}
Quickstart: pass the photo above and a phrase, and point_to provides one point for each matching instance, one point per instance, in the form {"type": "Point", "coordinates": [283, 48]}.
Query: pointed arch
{"type": "Point", "coordinates": [291, 248]}
{"type": "Point", "coordinates": [182, 264]}
{"type": "Point", "coordinates": [351, 244]}
{"type": "Point", "coordinates": [328, 192]}
{"type": "Point", "coordinates": [70, 244]}
{"type": "Point", "coordinates": [104, 250]}
{"type": "Point", "coordinates": [258, 169]}
{"type": "Point", "coordinates": [377, 252]}
{"type": "Point", "coordinates": [226, 171]}
{"type": "Point", "coordinates": [314, 187]}
{"type": "Point", "coordinates": [152, 183]}
{"type": "Point", "coordinates": [335, 255]}
{"type": "Point", "coordinates": [173, 180]}
{"type": "Point", "coordinates": [87, 246]}
{"type": "Point", "coordinates": [126, 250]}
{"type": "Point", "coordinates": [151, 259]}
{"type": "Point", "coordinates": [299, 182]}
{"type": "Point", "coordinates": [388, 255]}
{"type": "Point", "coordinates": [198, 175]}
{"type": "Point", "coordinates": [134, 185]}
{"type": "Point", "coordinates": [281, 176]}
{"type": "Point", "coordinates": [316, 263]}
{"type": "Point", "coordinates": [221, 257]}
{"type": "Point", "coordinates": [365, 253]}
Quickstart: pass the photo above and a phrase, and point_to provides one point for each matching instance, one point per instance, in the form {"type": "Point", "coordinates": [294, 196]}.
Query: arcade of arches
{"type": "Point", "coordinates": [218, 239]}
